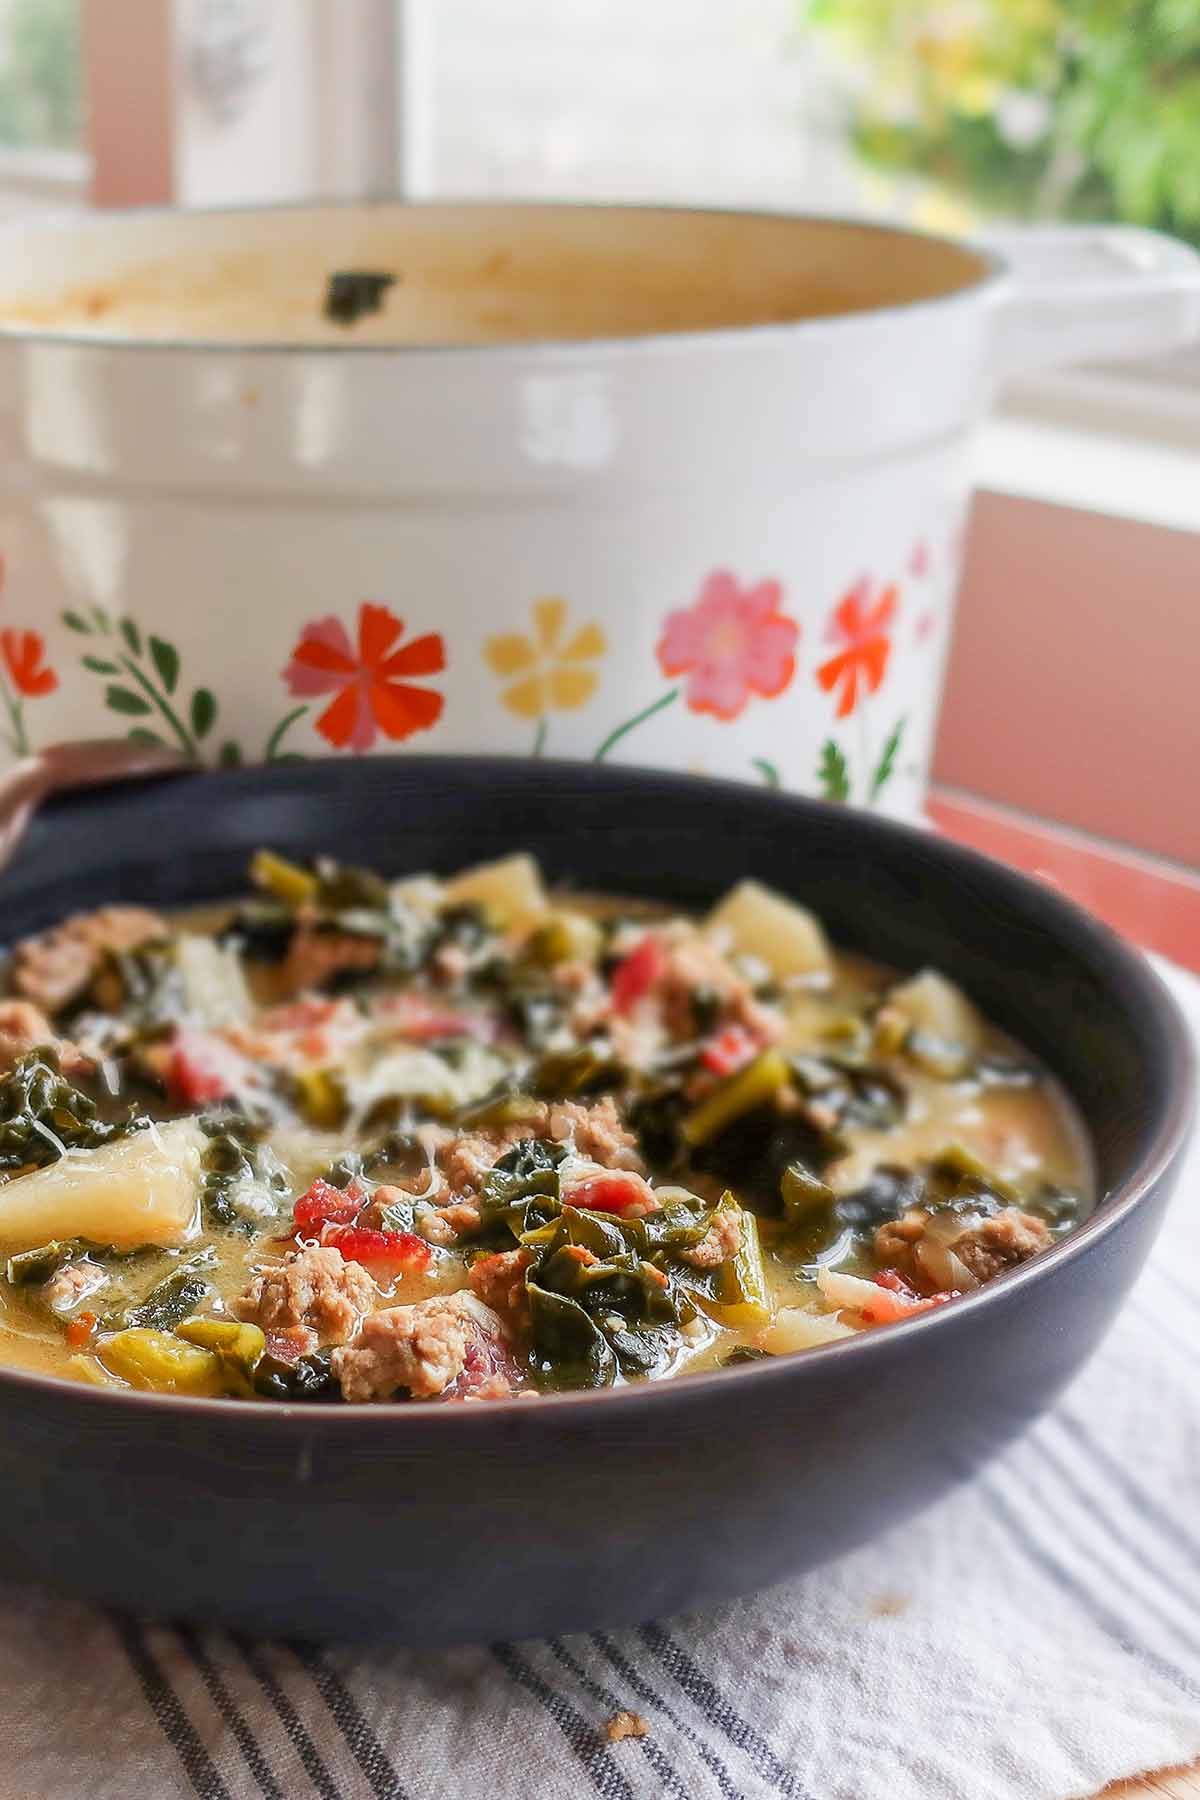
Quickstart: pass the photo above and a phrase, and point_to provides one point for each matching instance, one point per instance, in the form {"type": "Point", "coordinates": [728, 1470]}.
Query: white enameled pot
{"type": "Point", "coordinates": [677, 488]}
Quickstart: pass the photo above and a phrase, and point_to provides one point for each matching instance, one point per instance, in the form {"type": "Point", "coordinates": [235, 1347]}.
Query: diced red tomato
{"type": "Point", "coordinates": [325, 1204]}
{"type": "Point", "coordinates": [893, 1279]}
{"type": "Point", "coordinates": [204, 1067]}
{"type": "Point", "coordinates": [300, 1015]}
{"type": "Point", "coordinates": [900, 1299]}
{"type": "Point", "coordinates": [729, 1050]}
{"type": "Point", "coordinates": [617, 1191]}
{"type": "Point", "coordinates": [396, 1249]}
{"type": "Point", "coordinates": [80, 1329]}
{"type": "Point", "coordinates": [420, 1020]}
{"type": "Point", "coordinates": [580, 1254]}
{"type": "Point", "coordinates": [636, 974]}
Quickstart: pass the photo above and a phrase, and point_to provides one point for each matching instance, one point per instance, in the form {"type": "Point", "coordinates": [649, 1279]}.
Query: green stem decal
{"type": "Point", "coordinates": [17, 738]}
{"type": "Point", "coordinates": [187, 742]}
{"type": "Point", "coordinates": [833, 773]}
{"type": "Point", "coordinates": [639, 718]}
{"type": "Point", "coordinates": [539, 741]}
{"type": "Point", "coordinates": [271, 750]}
{"type": "Point", "coordinates": [885, 767]}
{"type": "Point", "coordinates": [767, 770]}
{"type": "Point", "coordinates": [149, 669]}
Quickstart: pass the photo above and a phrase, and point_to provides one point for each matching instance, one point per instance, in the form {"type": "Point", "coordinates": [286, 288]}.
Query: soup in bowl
{"type": "Point", "coordinates": [364, 1140]}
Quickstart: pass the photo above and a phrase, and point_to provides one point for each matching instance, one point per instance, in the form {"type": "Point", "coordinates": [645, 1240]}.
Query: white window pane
{"type": "Point", "coordinates": [671, 100]}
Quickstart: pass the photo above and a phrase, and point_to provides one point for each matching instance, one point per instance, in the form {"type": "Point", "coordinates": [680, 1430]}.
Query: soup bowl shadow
{"type": "Point", "coordinates": [446, 1524]}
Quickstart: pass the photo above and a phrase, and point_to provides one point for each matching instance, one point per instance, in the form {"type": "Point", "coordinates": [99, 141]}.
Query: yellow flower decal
{"type": "Point", "coordinates": [545, 673]}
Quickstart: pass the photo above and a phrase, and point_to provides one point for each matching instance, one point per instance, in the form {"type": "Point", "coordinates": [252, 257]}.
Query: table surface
{"type": "Point", "coordinates": [1157, 904]}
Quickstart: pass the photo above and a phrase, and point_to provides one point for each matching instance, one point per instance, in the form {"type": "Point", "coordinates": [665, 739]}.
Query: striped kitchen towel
{"type": "Point", "coordinates": [1035, 1636]}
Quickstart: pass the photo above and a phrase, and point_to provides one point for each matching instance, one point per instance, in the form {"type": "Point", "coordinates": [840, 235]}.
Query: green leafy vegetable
{"type": "Point", "coordinates": [172, 1299]}
{"type": "Point", "coordinates": [42, 1114]}
{"type": "Point", "coordinates": [311, 1378]}
{"type": "Point", "coordinates": [237, 1347]}
{"type": "Point", "coordinates": [569, 1348]}
{"type": "Point", "coordinates": [805, 1196]}
{"type": "Point", "coordinates": [244, 1184]}
{"type": "Point", "coordinates": [32, 1267]}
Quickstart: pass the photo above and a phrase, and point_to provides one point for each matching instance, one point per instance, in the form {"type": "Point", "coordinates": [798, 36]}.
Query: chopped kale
{"type": "Point", "coordinates": [42, 1114]}
{"type": "Point", "coordinates": [569, 1348]}
{"type": "Point", "coordinates": [890, 1191]}
{"type": "Point", "coordinates": [311, 1378]}
{"type": "Point", "coordinates": [32, 1267]}
{"type": "Point", "coordinates": [170, 1300]}
{"type": "Point", "coordinates": [260, 931]}
{"type": "Point", "coordinates": [244, 1184]}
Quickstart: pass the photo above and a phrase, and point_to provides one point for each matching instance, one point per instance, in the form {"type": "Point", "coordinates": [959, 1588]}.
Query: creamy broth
{"type": "Point", "coordinates": [466, 1139]}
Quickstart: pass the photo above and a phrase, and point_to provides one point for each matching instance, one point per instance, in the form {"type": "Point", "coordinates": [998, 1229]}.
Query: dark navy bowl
{"type": "Point", "coordinates": [439, 1524]}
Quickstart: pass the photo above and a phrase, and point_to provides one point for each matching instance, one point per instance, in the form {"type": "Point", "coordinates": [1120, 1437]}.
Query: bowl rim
{"type": "Point", "coordinates": [1146, 990]}
{"type": "Point", "coordinates": [994, 278]}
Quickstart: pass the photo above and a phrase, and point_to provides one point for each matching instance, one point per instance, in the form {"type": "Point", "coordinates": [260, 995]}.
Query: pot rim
{"type": "Point", "coordinates": [1126, 966]}
{"type": "Point", "coordinates": [993, 281]}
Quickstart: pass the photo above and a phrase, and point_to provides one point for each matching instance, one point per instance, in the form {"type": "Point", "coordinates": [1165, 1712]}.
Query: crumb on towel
{"type": "Point", "coordinates": [625, 1725]}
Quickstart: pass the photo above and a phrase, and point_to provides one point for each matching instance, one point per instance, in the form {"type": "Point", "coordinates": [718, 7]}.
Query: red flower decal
{"type": "Point", "coordinates": [25, 659]}
{"type": "Point", "coordinates": [862, 629]}
{"type": "Point", "coordinates": [732, 643]}
{"type": "Point", "coordinates": [371, 686]}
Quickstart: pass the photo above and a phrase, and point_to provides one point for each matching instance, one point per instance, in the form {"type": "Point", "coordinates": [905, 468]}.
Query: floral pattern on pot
{"type": "Point", "coordinates": [141, 675]}
{"type": "Point", "coordinates": [24, 675]}
{"type": "Point", "coordinates": [545, 673]}
{"type": "Point", "coordinates": [370, 684]}
{"type": "Point", "coordinates": [733, 642]}
{"type": "Point", "coordinates": [861, 626]}
{"type": "Point", "coordinates": [356, 680]}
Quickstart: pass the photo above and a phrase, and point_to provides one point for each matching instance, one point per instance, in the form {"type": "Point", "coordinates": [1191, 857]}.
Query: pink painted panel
{"type": "Point", "coordinates": [1073, 687]}
{"type": "Point", "coordinates": [1151, 903]}
{"type": "Point", "coordinates": [128, 61]}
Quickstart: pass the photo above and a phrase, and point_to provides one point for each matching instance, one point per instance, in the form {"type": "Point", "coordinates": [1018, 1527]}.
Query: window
{"type": "Point", "coordinates": [42, 157]}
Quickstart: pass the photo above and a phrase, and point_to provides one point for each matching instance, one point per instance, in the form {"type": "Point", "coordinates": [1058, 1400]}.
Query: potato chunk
{"type": "Point", "coordinates": [761, 923]}
{"type": "Point", "coordinates": [509, 891]}
{"type": "Point", "coordinates": [933, 1005]}
{"type": "Point", "coordinates": [142, 1189]}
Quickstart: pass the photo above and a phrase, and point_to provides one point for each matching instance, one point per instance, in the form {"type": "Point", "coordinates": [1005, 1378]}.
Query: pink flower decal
{"type": "Point", "coordinates": [920, 560]}
{"type": "Point", "coordinates": [860, 626]}
{"type": "Point", "coordinates": [732, 643]}
{"type": "Point", "coordinates": [371, 687]}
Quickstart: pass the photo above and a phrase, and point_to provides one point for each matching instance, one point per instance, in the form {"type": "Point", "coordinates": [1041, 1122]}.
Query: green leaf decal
{"type": "Point", "coordinates": [204, 711]}
{"type": "Point", "coordinates": [767, 770]}
{"type": "Point", "coordinates": [138, 734]}
{"type": "Point", "coordinates": [98, 666]}
{"type": "Point", "coordinates": [166, 661]}
{"type": "Point", "coordinates": [229, 755]}
{"type": "Point", "coordinates": [100, 615]}
{"type": "Point", "coordinates": [887, 762]}
{"type": "Point", "coordinates": [132, 636]}
{"type": "Point", "coordinates": [833, 774]}
{"type": "Point", "coordinates": [74, 622]}
{"type": "Point", "coordinates": [289, 756]}
{"type": "Point", "coordinates": [124, 700]}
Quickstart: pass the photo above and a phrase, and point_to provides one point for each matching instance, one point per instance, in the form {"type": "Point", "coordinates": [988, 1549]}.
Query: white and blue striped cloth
{"type": "Point", "coordinates": [1035, 1636]}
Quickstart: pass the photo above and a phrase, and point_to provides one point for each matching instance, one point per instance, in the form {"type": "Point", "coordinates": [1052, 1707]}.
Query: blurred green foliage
{"type": "Point", "coordinates": [40, 106]}
{"type": "Point", "coordinates": [1035, 108]}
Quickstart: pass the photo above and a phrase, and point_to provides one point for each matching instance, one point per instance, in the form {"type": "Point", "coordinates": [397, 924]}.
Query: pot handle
{"type": "Point", "coordinates": [1078, 293]}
